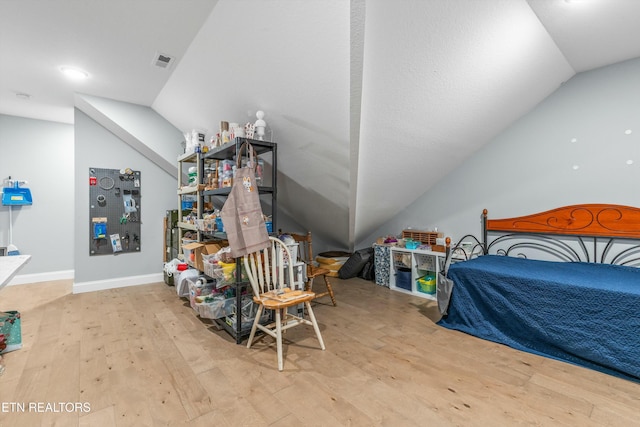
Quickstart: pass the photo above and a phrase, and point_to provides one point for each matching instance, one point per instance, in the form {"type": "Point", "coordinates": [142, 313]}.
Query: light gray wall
{"type": "Point", "coordinates": [96, 147]}
{"type": "Point", "coordinates": [143, 123]}
{"type": "Point", "coordinates": [40, 152]}
{"type": "Point", "coordinates": [529, 167]}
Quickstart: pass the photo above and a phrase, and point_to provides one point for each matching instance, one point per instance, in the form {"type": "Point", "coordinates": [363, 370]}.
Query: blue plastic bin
{"type": "Point", "coordinates": [403, 278]}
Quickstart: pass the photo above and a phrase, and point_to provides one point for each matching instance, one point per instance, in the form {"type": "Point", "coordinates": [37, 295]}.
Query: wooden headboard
{"type": "Point", "coordinates": [603, 225]}
{"type": "Point", "coordinates": [580, 220]}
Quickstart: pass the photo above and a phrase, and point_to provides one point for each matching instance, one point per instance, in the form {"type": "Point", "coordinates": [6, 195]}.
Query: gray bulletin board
{"type": "Point", "coordinates": [114, 211]}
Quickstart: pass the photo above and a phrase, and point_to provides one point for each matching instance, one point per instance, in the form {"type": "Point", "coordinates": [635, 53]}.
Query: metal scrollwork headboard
{"type": "Point", "coordinates": [598, 233]}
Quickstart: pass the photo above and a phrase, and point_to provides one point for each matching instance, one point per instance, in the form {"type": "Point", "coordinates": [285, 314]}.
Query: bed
{"type": "Point", "coordinates": [564, 284]}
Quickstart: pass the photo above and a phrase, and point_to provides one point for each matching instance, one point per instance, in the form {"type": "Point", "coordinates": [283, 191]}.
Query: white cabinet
{"type": "Point", "coordinates": [415, 271]}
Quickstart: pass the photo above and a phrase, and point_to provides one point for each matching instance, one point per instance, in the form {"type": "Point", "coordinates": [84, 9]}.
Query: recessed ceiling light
{"type": "Point", "coordinates": [629, 162]}
{"type": "Point", "coordinates": [74, 73]}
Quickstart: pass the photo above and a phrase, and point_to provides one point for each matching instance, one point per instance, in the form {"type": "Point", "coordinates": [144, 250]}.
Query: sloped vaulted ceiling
{"type": "Point", "coordinates": [372, 102]}
{"type": "Point", "coordinates": [291, 60]}
{"type": "Point", "coordinates": [441, 79]}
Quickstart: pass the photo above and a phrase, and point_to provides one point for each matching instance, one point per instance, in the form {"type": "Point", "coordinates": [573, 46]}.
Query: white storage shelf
{"type": "Point", "coordinates": [185, 161]}
{"type": "Point", "coordinates": [409, 265]}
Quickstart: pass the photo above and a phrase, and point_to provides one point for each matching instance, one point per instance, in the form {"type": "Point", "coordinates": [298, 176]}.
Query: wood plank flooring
{"type": "Point", "coordinates": [139, 356]}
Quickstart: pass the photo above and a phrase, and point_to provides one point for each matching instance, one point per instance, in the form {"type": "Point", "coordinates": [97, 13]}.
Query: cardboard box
{"type": "Point", "coordinates": [208, 206]}
{"type": "Point", "coordinates": [438, 248]}
{"type": "Point", "coordinates": [197, 249]}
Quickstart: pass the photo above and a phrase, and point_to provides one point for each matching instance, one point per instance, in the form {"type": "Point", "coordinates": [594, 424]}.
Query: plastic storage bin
{"type": "Point", "coordinates": [427, 284]}
{"type": "Point", "coordinates": [216, 309]}
{"type": "Point", "coordinates": [403, 278]}
{"type": "Point", "coordinates": [411, 244]}
{"type": "Point", "coordinates": [198, 287]}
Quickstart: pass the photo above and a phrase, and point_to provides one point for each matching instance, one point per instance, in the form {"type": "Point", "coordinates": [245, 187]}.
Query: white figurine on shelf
{"type": "Point", "coordinates": [260, 125]}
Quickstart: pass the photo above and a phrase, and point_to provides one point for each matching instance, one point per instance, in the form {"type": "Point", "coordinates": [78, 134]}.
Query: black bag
{"type": "Point", "coordinates": [355, 263]}
{"type": "Point", "coordinates": [368, 271]}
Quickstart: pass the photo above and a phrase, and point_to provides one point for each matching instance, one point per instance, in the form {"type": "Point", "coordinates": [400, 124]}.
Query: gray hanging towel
{"type": "Point", "coordinates": [445, 286]}
{"type": "Point", "coordinates": [242, 213]}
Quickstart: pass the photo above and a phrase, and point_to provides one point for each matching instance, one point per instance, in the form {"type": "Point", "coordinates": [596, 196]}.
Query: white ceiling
{"type": "Point", "coordinates": [371, 102]}
{"type": "Point", "coordinates": [114, 40]}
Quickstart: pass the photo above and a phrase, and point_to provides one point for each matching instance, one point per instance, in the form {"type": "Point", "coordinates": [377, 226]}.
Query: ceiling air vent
{"type": "Point", "coordinates": [163, 61]}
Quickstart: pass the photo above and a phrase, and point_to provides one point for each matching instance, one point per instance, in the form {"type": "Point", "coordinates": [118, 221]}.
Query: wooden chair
{"type": "Point", "coordinates": [305, 254]}
{"type": "Point", "coordinates": [270, 282]}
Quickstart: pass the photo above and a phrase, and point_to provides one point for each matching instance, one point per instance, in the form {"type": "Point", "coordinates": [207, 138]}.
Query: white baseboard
{"type": "Point", "coordinates": [23, 279]}
{"type": "Point", "coordinates": [120, 282]}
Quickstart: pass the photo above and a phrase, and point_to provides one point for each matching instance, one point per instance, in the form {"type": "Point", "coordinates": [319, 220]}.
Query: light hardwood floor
{"type": "Point", "coordinates": [139, 356]}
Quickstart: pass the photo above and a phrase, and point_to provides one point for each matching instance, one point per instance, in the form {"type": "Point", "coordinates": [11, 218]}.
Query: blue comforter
{"type": "Point", "coordinates": [586, 314]}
